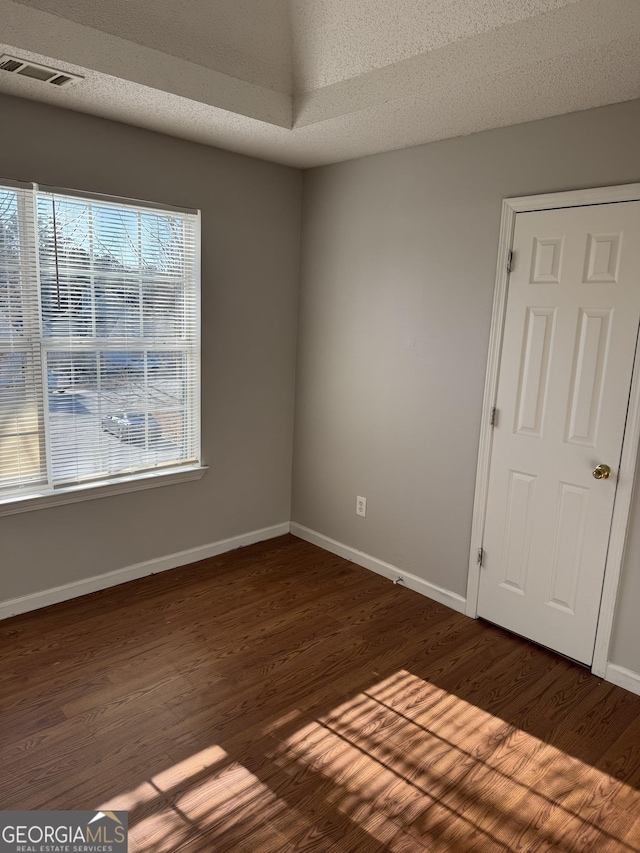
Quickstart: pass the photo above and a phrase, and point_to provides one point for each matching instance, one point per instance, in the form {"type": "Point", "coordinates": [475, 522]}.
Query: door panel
{"type": "Point", "coordinates": [587, 379]}
{"type": "Point", "coordinates": [567, 546]}
{"type": "Point", "coordinates": [517, 540]}
{"type": "Point", "coordinates": [572, 315]}
{"type": "Point", "coordinates": [535, 363]}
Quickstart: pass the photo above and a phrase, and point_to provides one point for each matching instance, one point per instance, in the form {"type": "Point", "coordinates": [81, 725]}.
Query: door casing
{"type": "Point", "coordinates": [624, 491]}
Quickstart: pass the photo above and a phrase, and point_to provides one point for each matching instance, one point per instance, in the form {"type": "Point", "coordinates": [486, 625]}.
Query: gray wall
{"type": "Point", "coordinates": [625, 648]}
{"type": "Point", "coordinates": [397, 278]}
{"type": "Point", "coordinates": [250, 239]}
{"type": "Point", "coordinates": [398, 269]}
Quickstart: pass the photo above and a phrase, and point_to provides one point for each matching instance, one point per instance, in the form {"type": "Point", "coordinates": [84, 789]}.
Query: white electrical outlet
{"type": "Point", "coordinates": [361, 506]}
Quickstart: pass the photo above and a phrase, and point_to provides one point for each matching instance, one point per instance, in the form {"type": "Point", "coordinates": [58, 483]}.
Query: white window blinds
{"type": "Point", "coordinates": [99, 339]}
{"type": "Point", "coordinates": [22, 450]}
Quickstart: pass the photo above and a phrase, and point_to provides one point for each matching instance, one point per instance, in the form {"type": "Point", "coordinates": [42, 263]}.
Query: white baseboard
{"type": "Point", "coordinates": [25, 603]}
{"type": "Point", "coordinates": [623, 677]}
{"type": "Point", "coordinates": [430, 590]}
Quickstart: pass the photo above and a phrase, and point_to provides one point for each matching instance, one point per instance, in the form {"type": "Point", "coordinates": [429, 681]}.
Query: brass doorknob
{"type": "Point", "coordinates": [601, 472]}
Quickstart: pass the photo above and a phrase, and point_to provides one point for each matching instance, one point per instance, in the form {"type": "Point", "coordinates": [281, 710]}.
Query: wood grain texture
{"type": "Point", "coordinates": [279, 698]}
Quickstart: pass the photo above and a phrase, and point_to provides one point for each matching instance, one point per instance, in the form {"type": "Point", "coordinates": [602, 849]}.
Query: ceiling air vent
{"type": "Point", "coordinates": [9, 64]}
{"type": "Point", "coordinates": [23, 67]}
{"type": "Point", "coordinates": [60, 80]}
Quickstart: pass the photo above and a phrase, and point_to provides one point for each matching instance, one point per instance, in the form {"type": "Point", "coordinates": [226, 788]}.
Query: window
{"type": "Point", "coordinates": [99, 340]}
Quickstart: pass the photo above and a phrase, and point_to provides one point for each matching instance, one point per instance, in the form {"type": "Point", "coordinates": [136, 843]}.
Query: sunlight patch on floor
{"type": "Point", "coordinates": [407, 763]}
{"type": "Point", "coordinates": [423, 758]}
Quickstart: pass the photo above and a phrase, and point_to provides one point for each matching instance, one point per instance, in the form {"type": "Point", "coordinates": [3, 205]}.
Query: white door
{"type": "Point", "coordinates": [572, 315]}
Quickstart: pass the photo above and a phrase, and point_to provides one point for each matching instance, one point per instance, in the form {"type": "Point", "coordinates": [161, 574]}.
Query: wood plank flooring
{"type": "Point", "coordinates": [279, 698]}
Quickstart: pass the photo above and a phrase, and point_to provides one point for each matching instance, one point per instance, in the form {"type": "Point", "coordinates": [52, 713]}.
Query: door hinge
{"type": "Point", "coordinates": [480, 556]}
{"type": "Point", "coordinates": [494, 416]}
{"type": "Point", "coordinates": [509, 260]}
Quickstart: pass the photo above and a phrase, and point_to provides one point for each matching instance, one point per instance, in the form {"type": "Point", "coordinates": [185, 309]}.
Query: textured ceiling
{"type": "Point", "coordinates": [307, 82]}
{"type": "Point", "coordinates": [242, 38]}
{"type": "Point", "coordinates": [336, 40]}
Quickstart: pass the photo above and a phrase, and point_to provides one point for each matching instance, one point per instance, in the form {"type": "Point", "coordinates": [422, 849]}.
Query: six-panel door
{"type": "Point", "coordinates": [571, 325]}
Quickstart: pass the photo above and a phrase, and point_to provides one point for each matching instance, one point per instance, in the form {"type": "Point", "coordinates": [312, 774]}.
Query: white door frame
{"type": "Point", "coordinates": [624, 491]}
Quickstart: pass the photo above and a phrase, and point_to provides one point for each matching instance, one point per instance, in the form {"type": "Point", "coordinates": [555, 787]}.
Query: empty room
{"type": "Point", "coordinates": [319, 426]}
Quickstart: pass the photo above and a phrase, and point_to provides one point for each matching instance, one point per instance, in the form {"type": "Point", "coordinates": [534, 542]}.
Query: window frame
{"type": "Point", "coordinates": [40, 495]}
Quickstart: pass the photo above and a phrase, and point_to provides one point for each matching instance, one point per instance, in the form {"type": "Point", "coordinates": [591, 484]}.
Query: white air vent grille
{"type": "Point", "coordinates": [24, 68]}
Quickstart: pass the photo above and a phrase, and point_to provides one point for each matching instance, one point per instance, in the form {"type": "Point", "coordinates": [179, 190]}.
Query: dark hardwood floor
{"type": "Point", "coordinates": [279, 698]}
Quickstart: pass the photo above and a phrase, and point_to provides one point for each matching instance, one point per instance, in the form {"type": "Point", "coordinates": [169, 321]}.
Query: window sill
{"type": "Point", "coordinates": [75, 494]}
